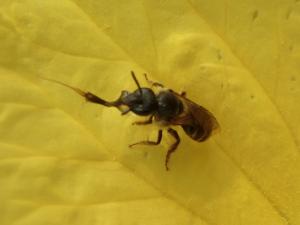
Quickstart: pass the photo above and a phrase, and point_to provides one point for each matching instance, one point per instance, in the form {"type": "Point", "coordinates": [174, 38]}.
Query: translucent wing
{"type": "Point", "coordinates": [197, 122]}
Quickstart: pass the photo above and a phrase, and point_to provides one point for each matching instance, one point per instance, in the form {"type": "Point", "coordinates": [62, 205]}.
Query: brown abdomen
{"type": "Point", "coordinates": [198, 133]}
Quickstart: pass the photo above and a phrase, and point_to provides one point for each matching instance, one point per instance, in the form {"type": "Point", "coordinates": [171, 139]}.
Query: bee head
{"type": "Point", "coordinates": [142, 101]}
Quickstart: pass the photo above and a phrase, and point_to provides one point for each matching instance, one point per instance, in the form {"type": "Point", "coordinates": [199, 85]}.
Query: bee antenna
{"type": "Point", "coordinates": [137, 83]}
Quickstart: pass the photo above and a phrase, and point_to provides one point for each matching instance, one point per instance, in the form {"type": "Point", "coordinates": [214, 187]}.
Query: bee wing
{"type": "Point", "coordinates": [197, 122]}
{"type": "Point", "coordinates": [202, 115]}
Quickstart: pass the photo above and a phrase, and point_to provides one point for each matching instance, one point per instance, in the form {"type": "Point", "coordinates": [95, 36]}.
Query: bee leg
{"type": "Point", "coordinates": [173, 147]}
{"type": "Point", "coordinates": [157, 142]}
{"type": "Point", "coordinates": [153, 83]}
{"type": "Point", "coordinates": [145, 122]}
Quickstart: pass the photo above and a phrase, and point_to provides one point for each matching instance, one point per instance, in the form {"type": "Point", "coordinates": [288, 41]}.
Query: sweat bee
{"type": "Point", "coordinates": [167, 107]}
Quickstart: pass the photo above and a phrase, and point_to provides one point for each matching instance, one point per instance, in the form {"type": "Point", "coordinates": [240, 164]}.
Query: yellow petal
{"type": "Point", "coordinates": [65, 161]}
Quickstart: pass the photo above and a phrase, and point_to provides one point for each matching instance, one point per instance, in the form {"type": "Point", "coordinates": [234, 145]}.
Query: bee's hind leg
{"type": "Point", "coordinates": [173, 147]}
{"type": "Point", "coordinates": [157, 142]}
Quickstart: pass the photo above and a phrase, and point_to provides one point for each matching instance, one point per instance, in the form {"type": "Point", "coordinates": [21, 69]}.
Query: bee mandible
{"type": "Point", "coordinates": [167, 107]}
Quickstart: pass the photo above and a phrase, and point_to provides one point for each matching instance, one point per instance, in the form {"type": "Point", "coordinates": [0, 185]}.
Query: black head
{"type": "Point", "coordinates": [142, 101]}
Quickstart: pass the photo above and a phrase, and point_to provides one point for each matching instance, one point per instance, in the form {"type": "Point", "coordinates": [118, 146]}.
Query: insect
{"type": "Point", "coordinates": [167, 107]}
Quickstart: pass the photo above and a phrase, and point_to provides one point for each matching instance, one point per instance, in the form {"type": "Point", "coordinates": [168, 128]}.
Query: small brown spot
{"type": "Point", "coordinates": [145, 155]}
{"type": "Point", "coordinates": [252, 96]}
{"type": "Point", "coordinates": [255, 15]}
{"type": "Point", "coordinates": [293, 78]}
{"type": "Point", "coordinates": [288, 14]}
{"type": "Point", "coordinates": [291, 48]}
{"type": "Point", "coordinates": [219, 55]}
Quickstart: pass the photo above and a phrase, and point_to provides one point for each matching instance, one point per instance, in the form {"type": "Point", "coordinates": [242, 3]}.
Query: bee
{"type": "Point", "coordinates": [167, 107]}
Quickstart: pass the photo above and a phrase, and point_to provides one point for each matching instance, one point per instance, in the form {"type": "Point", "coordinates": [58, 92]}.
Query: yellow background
{"type": "Point", "coordinates": [64, 161]}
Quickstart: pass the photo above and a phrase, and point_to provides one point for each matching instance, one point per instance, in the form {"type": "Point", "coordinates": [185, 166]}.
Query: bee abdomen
{"type": "Point", "coordinates": [198, 133]}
